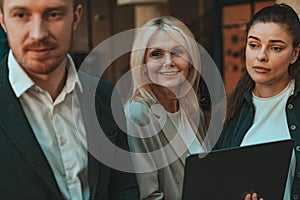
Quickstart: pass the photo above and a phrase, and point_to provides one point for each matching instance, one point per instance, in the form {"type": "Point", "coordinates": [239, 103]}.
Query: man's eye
{"type": "Point", "coordinates": [53, 14]}
{"type": "Point", "coordinates": [20, 15]}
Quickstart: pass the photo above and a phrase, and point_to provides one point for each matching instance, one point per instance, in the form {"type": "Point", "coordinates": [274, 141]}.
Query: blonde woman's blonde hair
{"type": "Point", "coordinates": [179, 32]}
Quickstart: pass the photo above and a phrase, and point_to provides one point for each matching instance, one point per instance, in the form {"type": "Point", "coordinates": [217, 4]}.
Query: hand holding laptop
{"type": "Point", "coordinates": [252, 196]}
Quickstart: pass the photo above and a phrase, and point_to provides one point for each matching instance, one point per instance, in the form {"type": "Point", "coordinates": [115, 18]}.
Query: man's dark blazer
{"type": "Point", "coordinates": [3, 43]}
{"type": "Point", "coordinates": [24, 170]}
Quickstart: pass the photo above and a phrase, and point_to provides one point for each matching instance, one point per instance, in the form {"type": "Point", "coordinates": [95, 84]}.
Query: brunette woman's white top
{"type": "Point", "coordinates": [270, 124]}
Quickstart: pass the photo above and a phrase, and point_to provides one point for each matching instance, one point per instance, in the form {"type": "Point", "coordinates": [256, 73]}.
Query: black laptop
{"type": "Point", "coordinates": [229, 174]}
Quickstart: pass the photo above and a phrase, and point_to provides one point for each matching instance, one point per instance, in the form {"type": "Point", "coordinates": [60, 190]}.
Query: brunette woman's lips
{"type": "Point", "coordinates": [259, 69]}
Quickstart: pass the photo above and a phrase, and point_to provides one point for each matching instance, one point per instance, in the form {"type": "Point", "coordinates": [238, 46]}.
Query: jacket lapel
{"type": "Point", "coordinates": [87, 102]}
{"type": "Point", "coordinates": [18, 130]}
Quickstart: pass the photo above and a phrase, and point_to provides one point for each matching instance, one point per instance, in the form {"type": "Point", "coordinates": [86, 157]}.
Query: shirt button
{"type": "Point", "coordinates": [69, 177]}
{"type": "Point", "coordinates": [63, 141]}
{"type": "Point", "coordinates": [295, 196]}
{"type": "Point", "coordinates": [298, 148]}
{"type": "Point", "coordinates": [290, 106]}
{"type": "Point", "coordinates": [293, 127]}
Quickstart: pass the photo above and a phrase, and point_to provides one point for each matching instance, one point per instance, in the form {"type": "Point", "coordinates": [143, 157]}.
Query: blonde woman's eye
{"type": "Point", "coordinates": [177, 52]}
{"type": "Point", "coordinates": [156, 54]}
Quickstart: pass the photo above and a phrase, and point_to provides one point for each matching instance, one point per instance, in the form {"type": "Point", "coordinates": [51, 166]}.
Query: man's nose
{"type": "Point", "coordinates": [38, 29]}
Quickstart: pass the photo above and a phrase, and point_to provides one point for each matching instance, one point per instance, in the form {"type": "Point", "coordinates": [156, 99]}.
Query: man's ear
{"type": "Point", "coordinates": [2, 20]}
{"type": "Point", "coordinates": [77, 16]}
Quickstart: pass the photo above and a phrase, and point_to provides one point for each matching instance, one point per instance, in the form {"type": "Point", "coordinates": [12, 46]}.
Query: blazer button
{"type": "Point", "coordinates": [290, 106]}
{"type": "Point", "coordinates": [293, 127]}
{"type": "Point", "coordinates": [295, 196]}
{"type": "Point", "coordinates": [63, 141]}
{"type": "Point", "coordinates": [298, 174]}
{"type": "Point", "coordinates": [297, 148]}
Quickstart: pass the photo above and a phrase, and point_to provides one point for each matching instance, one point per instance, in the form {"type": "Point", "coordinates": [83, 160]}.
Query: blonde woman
{"type": "Point", "coordinates": [163, 114]}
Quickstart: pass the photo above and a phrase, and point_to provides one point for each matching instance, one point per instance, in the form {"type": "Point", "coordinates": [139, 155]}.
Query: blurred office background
{"type": "Point", "coordinates": [219, 26]}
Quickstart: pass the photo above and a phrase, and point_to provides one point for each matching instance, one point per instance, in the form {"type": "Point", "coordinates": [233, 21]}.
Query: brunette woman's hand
{"type": "Point", "coordinates": [252, 196]}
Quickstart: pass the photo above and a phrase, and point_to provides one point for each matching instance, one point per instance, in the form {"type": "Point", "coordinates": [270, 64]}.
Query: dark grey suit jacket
{"type": "Point", "coordinates": [24, 170]}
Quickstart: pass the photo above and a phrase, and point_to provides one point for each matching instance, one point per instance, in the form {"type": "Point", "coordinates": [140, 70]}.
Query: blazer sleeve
{"type": "Point", "coordinates": [136, 116]}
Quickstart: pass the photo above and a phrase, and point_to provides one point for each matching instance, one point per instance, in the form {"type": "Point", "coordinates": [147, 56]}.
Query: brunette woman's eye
{"type": "Point", "coordinates": [252, 45]}
{"type": "Point", "coordinates": [276, 48]}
